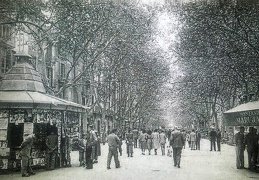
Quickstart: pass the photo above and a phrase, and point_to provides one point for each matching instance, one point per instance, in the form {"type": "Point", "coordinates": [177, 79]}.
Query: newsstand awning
{"type": "Point", "coordinates": [27, 99]}
{"type": "Point", "coordinates": [243, 115]}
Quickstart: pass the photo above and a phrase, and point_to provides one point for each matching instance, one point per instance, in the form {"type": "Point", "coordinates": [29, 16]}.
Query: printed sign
{"type": "Point", "coordinates": [3, 123]}
{"type": "Point", "coordinates": [28, 128]}
{"type": "Point", "coordinates": [3, 134]}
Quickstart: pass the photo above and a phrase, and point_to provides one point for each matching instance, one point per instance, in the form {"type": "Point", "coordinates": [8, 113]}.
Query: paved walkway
{"type": "Point", "coordinates": [196, 165]}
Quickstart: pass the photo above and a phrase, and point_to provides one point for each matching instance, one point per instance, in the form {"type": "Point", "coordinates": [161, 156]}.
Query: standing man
{"type": "Point", "coordinates": [52, 147]}
{"type": "Point", "coordinates": [213, 138]}
{"type": "Point", "coordinates": [81, 149]}
{"type": "Point", "coordinates": [219, 140]}
{"type": "Point", "coordinates": [240, 148]}
{"type": "Point", "coordinates": [135, 137]}
{"type": "Point", "coordinates": [25, 154]}
{"type": "Point", "coordinates": [113, 143]}
{"type": "Point", "coordinates": [90, 148]}
{"type": "Point", "coordinates": [249, 142]}
{"type": "Point", "coordinates": [198, 140]}
{"type": "Point", "coordinates": [129, 142]}
{"type": "Point", "coordinates": [177, 143]}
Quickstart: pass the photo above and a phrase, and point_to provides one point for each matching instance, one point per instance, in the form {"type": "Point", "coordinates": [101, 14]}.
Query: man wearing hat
{"type": "Point", "coordinates": [240, 148]}
{"type": "Point", "coordinates": [25, 154]}
{"type": "Point", "coordinates": [177, 143]}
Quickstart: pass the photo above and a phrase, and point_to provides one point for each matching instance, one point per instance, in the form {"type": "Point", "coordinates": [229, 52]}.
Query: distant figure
{"type": "Point", "coordinates": [193, 139]}
{"type": "Point", "coordinates": [219, 140]}
{"type": "Point", "coordinates": [213, 138]}
{"type": "Point", "coordinates": [177, 142]}
{"type": "Point", "coordinates": [198, 140]}
{"type": "Point", "coordinates": [113, 143]}
{"type": "Point", "coordinates": [135, 137]}
{"type": "Point", "coordinates": [240, 148]}
{"type": "Point", "coordinates": [52, 149]}
{"type": "Point", "coordinates": [162, 140]}
{"type": "Point", "coordinates": [155, 139]}
{"type": "Point", "coordinates": [129, 143]}
{"type": "Point", "coordinates": [188, 139]}
{"type": "Point", "coordinates": [81, 149]}
{"type": "Point", "coordinates": [25, 154]}
{"type": "Point", "coordinates": [143, 141]}
{"type": "Point", "coordinates": [149, 141]}
{"type": "Point", "coordinates": [90, 148]}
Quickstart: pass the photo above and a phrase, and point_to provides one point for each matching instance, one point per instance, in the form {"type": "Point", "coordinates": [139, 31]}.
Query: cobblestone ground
{"type": "Point", "coordinates": [196, 165]}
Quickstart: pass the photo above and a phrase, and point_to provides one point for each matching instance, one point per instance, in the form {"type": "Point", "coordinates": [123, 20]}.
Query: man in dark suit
{"type": "Point", "coordinates": [177, 143]}
{"type": "Point", "coordinates": [250, 144]}
{"type": "Point", "coordinates": [219, 140]}
{"type": "Point", "coordinates": [213, 138]}
{"type": "Point", "coordinates": [240, 148]}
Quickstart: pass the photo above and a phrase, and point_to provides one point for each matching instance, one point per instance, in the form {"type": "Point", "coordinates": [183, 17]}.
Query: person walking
{"type": "Point", "coordinates": [52, 148]}
{"type": "Point", "coordinates": [177, 142]}
{"type": "Point", "coordinates": [129, 143]}
{"type": "Point", "coordinates": [25, 154]}
{"type": "Point", "coordinates": [143, 141]}
{"type": "Point", "coordinates": [113, 143]}
{"type": "Point", "coordinates": [198, 140]}
{"type": "Point", "coordinates": [149, 141]}
{"type": "Point", "coordinates": [193, 139]}
{"type": "Point", "coordinates": [219, 140]}
{"type": "Point", "coordinates": [156, 140]}
{"type": "Point", "coordinates": [240, 148]}
{"type": "Point", "coordinates": [213, 137]}
{"type": "Point", "coordinates": [162, 140]}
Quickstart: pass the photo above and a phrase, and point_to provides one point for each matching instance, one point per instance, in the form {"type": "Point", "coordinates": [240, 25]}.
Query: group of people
{"type": "Point", "coordinates": [25, 153]}
{"type": "Point", "coordinates": [89, 146]}
{"type": "Point", "coordinates": [248, 141]}
{"type": "Point", "coordinates": [152, 140]}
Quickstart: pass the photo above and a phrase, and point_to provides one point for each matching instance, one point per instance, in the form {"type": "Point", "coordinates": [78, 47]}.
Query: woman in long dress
{"type": "Point", "coordinates": [143, 141]}
{"type": "Point", "coordinates": [156, 140]}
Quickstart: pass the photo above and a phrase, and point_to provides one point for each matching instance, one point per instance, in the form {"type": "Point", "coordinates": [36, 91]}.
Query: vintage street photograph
{"type": "Point", "coordinates": [129, 89]}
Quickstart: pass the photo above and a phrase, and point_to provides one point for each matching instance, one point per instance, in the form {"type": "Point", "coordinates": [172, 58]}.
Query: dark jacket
{"type": "Point", "coordinates": [177, 139]}
{"type": "Point", "coordinates": [213, 135]}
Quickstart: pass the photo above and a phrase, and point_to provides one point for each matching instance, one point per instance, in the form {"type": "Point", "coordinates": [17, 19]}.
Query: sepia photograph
{"type": "Point", "coordinates": [129, 89]}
